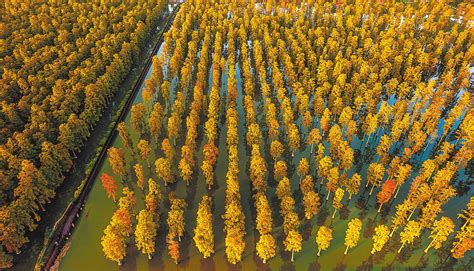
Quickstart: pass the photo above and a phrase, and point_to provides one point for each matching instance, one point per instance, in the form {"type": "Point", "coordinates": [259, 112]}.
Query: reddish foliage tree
{"type": "Point", "coordinates": [465, 245]}
{"type": "Point", "coordinates": [109, 184]}
{"type": "Point", "coordinates": [386, 193]}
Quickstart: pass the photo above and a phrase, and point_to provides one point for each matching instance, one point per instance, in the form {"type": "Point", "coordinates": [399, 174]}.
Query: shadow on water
{"type": "Point", "coordinates": [314, 266]}
{"type": "Point", "coordinates": [288, 266]}
{"type": "Point", "coordinates": [130, 260]}
{"type": "Point", "coordinates": [208, 264]}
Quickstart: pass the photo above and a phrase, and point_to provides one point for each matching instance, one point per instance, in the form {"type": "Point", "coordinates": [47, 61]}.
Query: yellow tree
{"type": "Point", "coordinates": [337, 200]}
{"type": "Point", "coordinates": [324, 166]}
{"type": "Point", "coordinates": [266, 247]}
{"type": "Point", "coordinates": [140, 175]}
{"type": "Point", "coordinates": [155, 121]}
{"type": "Point", "coordinates": [440, 231]}
{"type": "Point", "coordinates": [325, 120]}
{"type": "Point", "coordinates": [293, 138]}
{"type": "Point", "coordinates": [264, 214]}
{"type": "Point", "coordinates": [380, 237]}
{"type": "Point", "coordinates": [124, 135]}
{"type": "Point", "coordinates": [303, 168]}
{"type": "Point", "coordinates": [163, 170]}
{"type": "Point", "coordinates": [468, 214]}
{"type": "Point", "coordinates": [145, 150]}
{"type": "Point", "coordinates": [375, 173]}
{"type": "Point", "coordinates": [323, 238]}
{"type": "Point", "coordinates": [311, 202]}
{"type": "Point", "coordinates": [411, 231]}
{"type": "Point", "coordinates": [203, 233]}
{"type": "Point", "coordinates": [333, 180]}
{"type": "Point", "coordinates": [175, 218]}
{"type": "Point", "coordinates": [293, 242]}
{"type": "Point", "coordinates": [280, 170]}
{"type": "Point", "coordinates": [352, 233]}
{"type": "Point", "coordinates": [276, 149]}
{"type": "Point", "coordinates": [314, 137]}
{"type": "Point", "coordinates": [353, 185]}
{"type": "Point", "coordinates": [117, 161]}
{"type": "Point", "coordinates": [113, 244]}
{"type": "Point", "coordinates": [145, 232]}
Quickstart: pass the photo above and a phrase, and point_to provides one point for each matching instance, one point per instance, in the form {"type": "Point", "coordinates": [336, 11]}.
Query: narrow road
{"type": "Point", "coordinates": [62, 233]}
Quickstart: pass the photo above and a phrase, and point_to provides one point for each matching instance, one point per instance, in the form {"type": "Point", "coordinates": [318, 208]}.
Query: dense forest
{"type": "Point", "coordinates": [61, 62]}
{"type": "Point", "coordinates": [379, 92]}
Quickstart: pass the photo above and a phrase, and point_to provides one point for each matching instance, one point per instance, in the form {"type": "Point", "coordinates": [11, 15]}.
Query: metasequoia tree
{"type": "Point", "coordinates": [411, 231]}
{"type": "Point", "coordinates": [109, 185]}
{"type": "Point", "coordinates": [124, 135]}
{"type": "Point", "coordinates": [353, 185]}
{"type": "Point", "coordinates": [145, 150]}
{"type": "Point", "coordinates": [352, 233]}
{"type": "Point", "coordinates": [140, 175]}
{"type": "Point", "coordinates": [163, 170]}
{"type": "Point", "coordinates": [175, 218]}
{"type": "Point", "coordinates": [440, 231]}
{"type": "Point", "coordinates": [114, 240]}
{"type": "Point", "coordinates": [381, 236]}
{"type": "Point", "coordinates": [117, 161]}
{"type": "Point", "coordinates": [375, 173]}
{"type": "Point", "coordinates": [293, 242]}
{"type": "Point", "coordinates": [337, 200]}
{"type": "Point", "coordinates": [323, 238]}
{"type": "Point", "coordinates": [303, 168]}
{"type": "Point", "coordinates": [386, 193]}
{"type": "Point", "coordinates": [203, 233]}
{"type": "Point", "coordinates": [266, 245]}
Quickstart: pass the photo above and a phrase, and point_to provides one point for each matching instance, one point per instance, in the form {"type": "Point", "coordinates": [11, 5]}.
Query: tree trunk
{"type": "Point", "coordinates": [311, 152]}
{"type": "Point", "coordinates": [329, 192]}
{"type": "Point", "coordinates": [408, 219]}
{"type": "Point", "coordinates": [380, 208]}
{"type": "Point", "coordinates": [371, 190]}
{"type": "Point", "coordinates": [292, 255]}
{"type": "Point", "coordinates": [396, 193]}
{"type": "Point", "coordinates": [179, 238]}
{"type": "Point", "coordinates": [149, 256]}
{"type": "Point", "coordinates": [464, 225]}
{"type": "Point", "coordinates": [264, 261]}
{"type": "Point", "coordinates": [400, 249]}
{"type": "Point", "coordinates": [429, 246]}
{"type": "Point", "coordinates": [334, 214]}
{"type": "Point", "coordinates": [319, 252]}
{"type": "Point", "coordinates": [345, 252]}
{"type": "Point", "coordinates": [119, 263]}
{"type": "Point", "coordinates": [393, 231]}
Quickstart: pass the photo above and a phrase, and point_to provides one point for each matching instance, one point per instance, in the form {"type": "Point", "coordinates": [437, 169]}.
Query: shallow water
{"type": "Point", "coordinates": [86, 253]}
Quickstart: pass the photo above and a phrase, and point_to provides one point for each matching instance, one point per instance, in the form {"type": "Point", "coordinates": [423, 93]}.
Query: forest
{"type": "Point", "coordinates": [341, 124]}
{"type": "Point", "coordinates": [343, 103]}
{"type": "Point", "coordinates": [61, 63]}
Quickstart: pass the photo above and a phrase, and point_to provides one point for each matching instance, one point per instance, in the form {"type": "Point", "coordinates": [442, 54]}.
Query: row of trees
{"type": "Point", "coordinates": [348, 101]}
{"type": "Point", "coordinates": [61, 65]}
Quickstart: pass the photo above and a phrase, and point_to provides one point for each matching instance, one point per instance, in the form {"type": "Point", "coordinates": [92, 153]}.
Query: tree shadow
{"type": "Point", "coordinates": [288, 266]}
{"type": "Point", "coordinates": [322, 216]}
{"type": "Point", "coordinates": [369, 228]}
{"type": "Point", "coordinates": [314, 266]}
{"type": "Point", "coordinates": [306, 229]}
{"type": "Point", "coordinates": [131, 259]}
{"type": "Point", "coordinates": [344, 212]}
{"type": "Point", "coordinates": [208, 264]}
{"type": "Point", "coordinates": [233, 267]}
